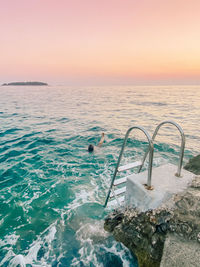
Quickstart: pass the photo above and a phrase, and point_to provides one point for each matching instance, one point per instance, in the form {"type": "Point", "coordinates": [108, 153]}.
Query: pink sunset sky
{"type": "Point", "coordinates": [90, 42]}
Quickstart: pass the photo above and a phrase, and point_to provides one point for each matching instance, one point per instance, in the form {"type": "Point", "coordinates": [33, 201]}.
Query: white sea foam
{"type": "Point", "coordinates": [45, 238]}
{"type": "Point", "coordinates": [89, 235]}
{"type": "Point", "coordinates": [92, 238]}
{"type": "Point", "coordinates": [81, 197]}
{"type": "Point", "coordinates": [33, 251]}
{"type": "Point", "coordinates": [18, 260]}
{"type": "Point", "coordinates": [9, 240]}
{"type": "Point", "coordinates": [92, 230]}
{"type": "Point", "coordinates": [121, 251]}
{"type": "Point", "coordinates": [9, 255]}
{"type": "Point", "coordinates": [101, 182]}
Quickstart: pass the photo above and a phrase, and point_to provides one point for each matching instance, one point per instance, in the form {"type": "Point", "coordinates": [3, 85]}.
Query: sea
{"type": "Point", "coordinates": [52, 191]}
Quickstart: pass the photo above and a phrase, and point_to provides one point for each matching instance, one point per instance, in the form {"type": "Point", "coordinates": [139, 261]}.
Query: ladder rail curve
{"type": "Point", "coordinates": [150, 149]}
{"type": "Point", "coordinates": [178, 174]}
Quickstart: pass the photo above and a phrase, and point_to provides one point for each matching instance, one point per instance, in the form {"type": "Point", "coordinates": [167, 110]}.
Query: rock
{"type": "Point", "coordinates": [193, 165]}
{"type": "Point", "coordinates": [113, 220]}
{"type": "Point", "coordinates": [144, 233]}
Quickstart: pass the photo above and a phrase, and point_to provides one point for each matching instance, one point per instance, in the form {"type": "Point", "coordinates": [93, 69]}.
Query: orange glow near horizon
{"type": "Point", "coordinates": [90, 41]}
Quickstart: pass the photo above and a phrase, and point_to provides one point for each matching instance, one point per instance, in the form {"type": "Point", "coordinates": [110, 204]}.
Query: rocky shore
{"type": "Point", "coordinates": [153, 234]}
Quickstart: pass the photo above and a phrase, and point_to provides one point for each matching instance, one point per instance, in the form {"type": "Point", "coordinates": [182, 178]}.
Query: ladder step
{"type": "Point", "coordinates": [120, 181]}
{"type": "Point", "coordinates": [129, 166]}
{"type": "Point", "coordinates": [115, 202]}
{"type": "Point", "coordinates": [118, 192]}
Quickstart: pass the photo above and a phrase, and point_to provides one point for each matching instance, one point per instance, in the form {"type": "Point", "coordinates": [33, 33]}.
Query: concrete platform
{"type": "Point", "coordinates": [178, 252]}
{"type": "Point", "coordinates": [165, 185]}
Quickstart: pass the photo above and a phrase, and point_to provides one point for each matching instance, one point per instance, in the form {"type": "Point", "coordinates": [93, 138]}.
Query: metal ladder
{"type": "Point", "coordinates": [115, 183]}
{"type": "Point", "coordinates": [117, 196]}
{"type": "Point", "coordinates": [178, 174]}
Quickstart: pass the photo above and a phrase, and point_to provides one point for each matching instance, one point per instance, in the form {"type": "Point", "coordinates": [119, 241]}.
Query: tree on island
{"type": "Point", "coordinates": [24, 83]}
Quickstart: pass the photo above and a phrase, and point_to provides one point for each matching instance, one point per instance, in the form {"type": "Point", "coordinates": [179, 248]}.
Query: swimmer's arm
{"type": "Point", "coordinates": [101, 141]}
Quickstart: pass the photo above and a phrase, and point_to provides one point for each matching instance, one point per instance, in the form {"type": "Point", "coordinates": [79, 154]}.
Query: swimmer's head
{"type": "Point", "coordinates": [90, 148]}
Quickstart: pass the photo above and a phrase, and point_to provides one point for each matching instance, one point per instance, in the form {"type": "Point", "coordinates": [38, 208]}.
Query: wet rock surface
{"type": "Point", "coordinates": [144, 233]}
{"type": "Point", "coordinates": [193, 165]}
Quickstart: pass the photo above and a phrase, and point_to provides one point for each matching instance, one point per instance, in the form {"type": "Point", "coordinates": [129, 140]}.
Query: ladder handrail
{"type": "Point", "coordinates": [120, 156]}
{"type": "Point", "coordinates": [178, 174]}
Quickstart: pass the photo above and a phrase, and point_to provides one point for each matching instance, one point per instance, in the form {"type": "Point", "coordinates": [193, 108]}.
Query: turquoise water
{"type": "Point", "coordinates": [52, 189]}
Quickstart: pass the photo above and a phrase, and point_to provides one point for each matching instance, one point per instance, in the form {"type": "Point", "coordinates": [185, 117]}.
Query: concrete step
{"type": "Point", "coordinates": [179, 251]}
{"type": "Point", "coordinates": [164, 181]}
{"type": "Point", "coordinates": [129, 166]}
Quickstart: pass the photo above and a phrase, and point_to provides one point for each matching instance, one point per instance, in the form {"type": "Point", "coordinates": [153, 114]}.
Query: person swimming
{"type": "Point", "coordinates": [91, 147]}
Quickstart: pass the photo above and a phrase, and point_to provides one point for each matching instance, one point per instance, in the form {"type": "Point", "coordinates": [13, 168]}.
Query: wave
{"type": "Point", "coordinates": [9, 131]}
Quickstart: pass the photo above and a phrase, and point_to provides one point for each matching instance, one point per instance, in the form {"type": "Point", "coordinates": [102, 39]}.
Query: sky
{"type": "Point", "coordinates": [92, 42]}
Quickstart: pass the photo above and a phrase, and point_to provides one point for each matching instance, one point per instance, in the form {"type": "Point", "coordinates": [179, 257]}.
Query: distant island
{"type": "Point", "coordinates": [24, 83]}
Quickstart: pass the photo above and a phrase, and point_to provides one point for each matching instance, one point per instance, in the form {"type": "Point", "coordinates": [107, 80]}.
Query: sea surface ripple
{"type": "Point", "coordinates": [52, 190]}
